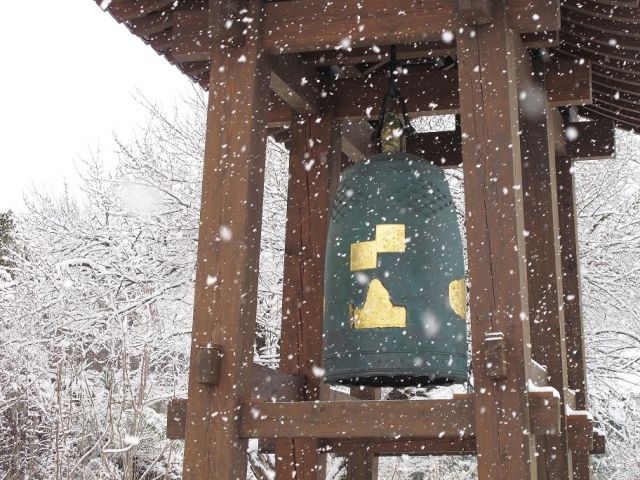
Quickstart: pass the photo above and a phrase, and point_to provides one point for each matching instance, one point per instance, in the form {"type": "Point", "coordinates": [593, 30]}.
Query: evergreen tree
{"type": "Point", "coordinates": [7, 226]}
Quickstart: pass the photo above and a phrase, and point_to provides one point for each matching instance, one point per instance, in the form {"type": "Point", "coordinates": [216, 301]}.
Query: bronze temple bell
{"type": "Point", "coordinates": [395, 294]}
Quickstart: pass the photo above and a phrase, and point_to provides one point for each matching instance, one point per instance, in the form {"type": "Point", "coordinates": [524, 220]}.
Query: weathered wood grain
{"type": "Point", "coordinates": [228, 254]}
{"type": "Point", "coordinates": [498, 293]}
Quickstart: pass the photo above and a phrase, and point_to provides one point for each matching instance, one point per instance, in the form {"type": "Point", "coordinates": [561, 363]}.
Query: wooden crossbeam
{"type": "Point", "coordinates": [457, 445]}
{"type": "Point", "coordinates": [426, 92]}
{"type": "Point", "coordinates": [133, 9]}
{"type": "Point", "coordinates": [365, 419]}
{"type": "Point", "coordinates": [442, 446]}
{"type": "Point", "coordinates": [592, 140]}
{"type": "Point", "coordinates": [423, 419]}
{"type": "Point", "coordinates": [195, 34]}
{"type": "Point", "coordinates": [303, 25]}
{"type": "Point", "coordinates": [568, 83]}
{"type": "Point", "coordinates": [296, 82]}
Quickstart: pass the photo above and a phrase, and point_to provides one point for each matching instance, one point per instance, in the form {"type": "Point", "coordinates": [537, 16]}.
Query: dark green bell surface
{"type": "Point", "coordinates": [395, 297]}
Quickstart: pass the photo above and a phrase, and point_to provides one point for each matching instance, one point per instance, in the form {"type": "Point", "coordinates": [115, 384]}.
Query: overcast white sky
{"type": "Point", "coordinates": [68, 74]}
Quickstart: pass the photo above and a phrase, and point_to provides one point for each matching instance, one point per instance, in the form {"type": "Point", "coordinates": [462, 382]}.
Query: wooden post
{"type": "Point", "coordinates": [546, 315]}
{"type": "Point", "coordinates": [314, 160]}
{"type": "Point", "coordinates": [576, 367]}
{"type": "Point", "coordinates": [496, 244]}
{"type": "Point", "coordinates": [228, 255]}
{"type": "Point", "coordinates": [362, 464]}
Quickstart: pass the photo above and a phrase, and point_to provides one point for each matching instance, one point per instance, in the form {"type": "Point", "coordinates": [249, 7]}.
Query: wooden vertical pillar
{"type": "Point", "coordinates": [314, 161]}
{"type": "Point", "coordinates": [362, 464]}
{"type": "Point", "coordinates": [228, 255]}
{"type": "Point", "coordinates": [546, 314]}
{"type": "Point", "coordinates": [576, 368]}
{"type": "Point", "coordinates": [496, 245]}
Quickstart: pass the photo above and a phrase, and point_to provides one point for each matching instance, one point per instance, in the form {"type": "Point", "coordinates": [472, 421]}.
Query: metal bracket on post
{"type": "Point", "coordinates": [495, 355]}
{"type": "Point", "coordinates": [208, 361]}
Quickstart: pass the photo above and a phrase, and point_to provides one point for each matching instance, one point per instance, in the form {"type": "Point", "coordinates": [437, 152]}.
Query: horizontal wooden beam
{"type": "Point", "coordinates": [424, 419]}
{"type": "Point", "coordinates": [305, 25]}
{"type": "Point", "coordinates": [579, 431]}
{"type": "Point", "coordinates": [545, 412]}
{"type": "Point", "coordinates": [358, 419]}
{"type": "Point", "coordinates": [296, 82]}
{"type": "Point", "coordinates": [441, 446]}
{"type": "Point", "coordinates": [591, 140]}
{"type": "Point", "coordinates": [131, 10]}
{"type": "Point", "coordinates": [568, 83]}
{"type": "Point", "coordinates": [194, 36]}
{"type": "Point", "coordinates": [279, 114]}
{"type": "Point", "coordinates": [354, 56]}
{"type": "Point", "coordinates": [425, 92]}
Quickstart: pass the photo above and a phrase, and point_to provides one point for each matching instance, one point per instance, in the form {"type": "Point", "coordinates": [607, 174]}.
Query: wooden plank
{"type": "Point", "coordinates": [580, 431]}
{"type": "Point", "coordinates": [313, 169]}
{"type": "Point", "coordinates": [194, 37]}
{"type": "Point", "coordinates": [592, 140]}
{"type": "Point", "coordinates": [539, 374]}
{"type": "Point", "coordinates": [568, 83]}
{"type": "Point", "coordinates": [545, 421]}
{"type": "Point", "coordinates": [375, 54]}
{"type": "Point", "coordinates": [375, 420]}
{"type": "Point", "coordinates": [228, 255]}
{"type": "Point", "coordinates": [576, 367]}
{"type": "Point", "coordinates": [279, 113]}
{"type": "Point", "coordinates": [457, 445]}
{"type": "Point", "coordinates": [540, 39]}
{"type": "Point", "coordinates": [546, 315]}
{"type": "Point", "coordinates": [304, 25]}
{"type": "Point", "coordinates": [426, 93]}
{"type": "Point", "coordinates": [524, 16]}
{"type": "Point", "coordinates": [296, 82]}
{"type": "Point", "coordinates": [495, 240]}
{"type": "Point", "coordinates": [154, 23]}
{"type": "Point", "coordinates": [134, 9]}
{"type": "Point", "coordinates": [599, 443]}
{"type": "Point", "coordinates": [474, 12]}
{"type": "Point", "coordinates": [359, 419]}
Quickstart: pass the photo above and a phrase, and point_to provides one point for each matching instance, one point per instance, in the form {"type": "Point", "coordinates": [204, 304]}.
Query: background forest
{"type": "Point", "coordinates": [96, 305]}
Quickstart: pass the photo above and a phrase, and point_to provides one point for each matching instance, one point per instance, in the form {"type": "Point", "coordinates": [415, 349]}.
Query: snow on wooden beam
{"type": "Point", "coordinates": [304, 25]}
{"type": "Point", "coordinates": [424, 419]}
